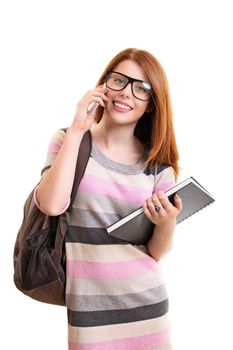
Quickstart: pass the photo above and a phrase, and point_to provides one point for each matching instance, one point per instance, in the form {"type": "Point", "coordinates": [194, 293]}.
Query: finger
{"type": "Point", "coordinates": [102, 94]}
{"type": "Point", "coordinates": [104, 97]}
{"type": "Point", "coordinates": [102, 89]}
{"type": "Point", "coordinates": [154, 202]}
{"type": "Point", "coordinates": [166, 204]}
{"type": "Point", "coordinates": [98, 94]}
{"type": "Point", "coordinates": [178, 202]}
{"type": "Point", "coordinates": [146, 210]}
{"type": "Point", "coordinates": [94, 99]}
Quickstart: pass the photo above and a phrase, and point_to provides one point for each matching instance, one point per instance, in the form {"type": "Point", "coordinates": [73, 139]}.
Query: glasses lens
{"type": "Point", "coordinates": [116, 81]}
{"type": "Point", "coordinates": [142, 90]}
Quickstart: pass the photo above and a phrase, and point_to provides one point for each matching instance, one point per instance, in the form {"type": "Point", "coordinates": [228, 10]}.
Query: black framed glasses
{"type": "Point", "coordinates": [116, 81]}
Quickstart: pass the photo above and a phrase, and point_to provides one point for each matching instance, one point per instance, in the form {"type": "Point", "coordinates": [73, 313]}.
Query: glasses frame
{"type": "Point", "coordinates": [131, 81]}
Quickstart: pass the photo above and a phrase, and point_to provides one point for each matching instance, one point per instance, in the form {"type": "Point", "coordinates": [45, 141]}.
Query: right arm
{"type": "Point", "coordinates": [53, 192]}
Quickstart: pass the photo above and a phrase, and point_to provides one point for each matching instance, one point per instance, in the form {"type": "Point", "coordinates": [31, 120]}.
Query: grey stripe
{"type": "Point", "coordinates": [78, 234]}
{"type": "Point", "coordinates": [115, 302]}
{"type": "Point", "coordinates": [114, 166]}
{"type": "Point", "coordinates": [89, 218]}
{"type": "Point", "coordinates": [101, 318]}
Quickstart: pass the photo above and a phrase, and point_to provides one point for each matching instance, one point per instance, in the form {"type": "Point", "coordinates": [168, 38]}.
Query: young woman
{"type": "Point", "coordinates": [115, 292]}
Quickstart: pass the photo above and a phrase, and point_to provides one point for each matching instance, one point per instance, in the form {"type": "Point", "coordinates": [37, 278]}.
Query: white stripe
{"type": "Point", "coordinates": [118, 331]}
{"type": "Point", "coordinates": [104, 253]}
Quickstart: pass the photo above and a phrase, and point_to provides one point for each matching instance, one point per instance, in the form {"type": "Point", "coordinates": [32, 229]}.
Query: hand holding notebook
{"type": "Point", "coordinates": [136, 228]}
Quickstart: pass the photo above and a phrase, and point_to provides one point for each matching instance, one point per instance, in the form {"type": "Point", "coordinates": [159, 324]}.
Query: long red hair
{"type": "Point", "coordinates": [155, 128]}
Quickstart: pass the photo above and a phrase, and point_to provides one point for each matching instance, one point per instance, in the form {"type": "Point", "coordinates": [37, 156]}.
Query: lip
{"type": "Point", "coordinates": [122, 103]}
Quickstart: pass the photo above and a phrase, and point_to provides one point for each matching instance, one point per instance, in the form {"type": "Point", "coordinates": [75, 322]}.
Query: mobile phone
{"type": "Point", "coordinates": [93, 105]}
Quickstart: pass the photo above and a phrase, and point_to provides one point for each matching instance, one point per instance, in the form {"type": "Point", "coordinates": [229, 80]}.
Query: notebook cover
{"type": "Point", "coordinates": [137, 229]}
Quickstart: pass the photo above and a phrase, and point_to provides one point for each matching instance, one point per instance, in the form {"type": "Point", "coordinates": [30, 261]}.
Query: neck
{"type": "Point", "coordinates": [115, 137]}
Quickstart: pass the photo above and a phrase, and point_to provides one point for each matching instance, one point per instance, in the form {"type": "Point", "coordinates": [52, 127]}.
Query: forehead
{"type": "Point", "coordinates": [132, 69]}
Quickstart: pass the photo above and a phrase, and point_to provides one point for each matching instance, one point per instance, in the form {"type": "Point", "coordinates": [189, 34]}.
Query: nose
{"type": "Point", "coordinates": [127, 91]}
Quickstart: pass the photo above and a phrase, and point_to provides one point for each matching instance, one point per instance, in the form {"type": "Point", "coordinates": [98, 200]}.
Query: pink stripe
{"type": "Point", "coordinates": [54, 147]}
{"type": "Point", "coordinates": [163, 187]}
{"type": "Point", "coordinates": [133, 195]}
{"type": "Point", "coordinates": [112, 270]}
{"type": "Point", "coordinates": [145, 342]}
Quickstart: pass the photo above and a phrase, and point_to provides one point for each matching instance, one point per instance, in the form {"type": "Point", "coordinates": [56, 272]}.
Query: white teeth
{"type": "Point", "coordinates": [121, 106]}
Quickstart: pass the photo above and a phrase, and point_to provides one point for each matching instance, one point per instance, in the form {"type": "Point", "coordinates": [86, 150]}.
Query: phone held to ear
{"type": "Point", "coordinates": [93, 106]}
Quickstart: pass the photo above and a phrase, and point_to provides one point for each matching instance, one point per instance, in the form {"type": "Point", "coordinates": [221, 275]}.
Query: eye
{"type": "Point", "coordinates": [119, 81]}
{"type": "Point", "coordinates": [140, 88]}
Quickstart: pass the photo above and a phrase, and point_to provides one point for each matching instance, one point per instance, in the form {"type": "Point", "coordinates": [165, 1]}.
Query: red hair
{"type": "Point", "coordinates": [155, 128]}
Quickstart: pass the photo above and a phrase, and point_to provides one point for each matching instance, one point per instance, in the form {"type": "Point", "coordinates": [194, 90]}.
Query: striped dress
{"type": "Point", "coordinates": [115, 293]}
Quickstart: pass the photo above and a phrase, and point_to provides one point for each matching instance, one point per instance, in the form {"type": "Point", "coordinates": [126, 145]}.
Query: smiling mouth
{"type": "Point", "coordinates": [123, 106]}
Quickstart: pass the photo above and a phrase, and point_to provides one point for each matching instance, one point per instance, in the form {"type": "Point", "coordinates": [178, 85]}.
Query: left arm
{"type": "Point", "coordinates": [164, 220]}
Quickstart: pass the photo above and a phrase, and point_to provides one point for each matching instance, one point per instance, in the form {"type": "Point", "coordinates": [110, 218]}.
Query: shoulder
{"type": "Point", "coordinates": [59, 135]}
{"type": "Point", "coordinates": [165, 178]}
{"type": "Point", "coordinates": [165, 171]}
{"type": "Point", "coordinates": [164, 167]}
{"type": "Point", "coordinates": [158, 170]}
{"type": "Point", "coordinates": [53, 148]}
{"type": "Point", "coordinates": [56, 141]}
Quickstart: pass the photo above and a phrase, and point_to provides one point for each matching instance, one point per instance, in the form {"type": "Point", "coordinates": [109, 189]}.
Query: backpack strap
{"type": "Point", "coordinates": [82, 160]}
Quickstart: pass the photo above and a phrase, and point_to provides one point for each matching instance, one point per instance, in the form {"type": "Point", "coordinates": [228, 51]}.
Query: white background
{"type": "Point", "coordinates": [51, 53]}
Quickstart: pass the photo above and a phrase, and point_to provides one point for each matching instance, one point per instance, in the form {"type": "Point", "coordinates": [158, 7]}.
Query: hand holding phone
{"type": "Point", "coordinates": [94, 106]}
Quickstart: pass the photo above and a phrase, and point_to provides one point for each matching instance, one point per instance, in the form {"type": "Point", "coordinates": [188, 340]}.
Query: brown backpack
{"type": "Point", "coordinates": [39, 252]}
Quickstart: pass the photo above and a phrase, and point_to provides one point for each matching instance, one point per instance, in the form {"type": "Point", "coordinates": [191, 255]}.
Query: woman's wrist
{"type": "Point", "coordinates": [168, 225]}
{"type": "Point", "coordinates": [162, 240]}
{"type": "Point", "coordinates": [75, 132]}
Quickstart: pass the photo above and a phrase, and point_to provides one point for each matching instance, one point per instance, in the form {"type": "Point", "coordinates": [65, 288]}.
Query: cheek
{"type": "Point", "coordinates": [111, 94]}
{"type": "Point", "coordinates": [142, 107]}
